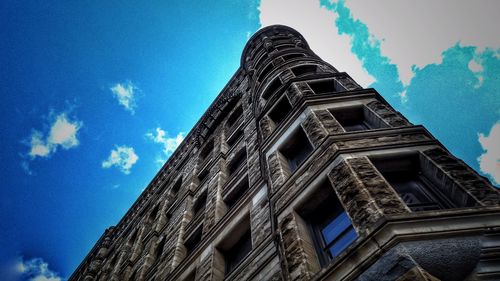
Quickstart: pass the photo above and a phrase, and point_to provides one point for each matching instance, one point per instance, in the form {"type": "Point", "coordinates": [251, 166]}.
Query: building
{"type": "Point", "coordinates": [295, 172]}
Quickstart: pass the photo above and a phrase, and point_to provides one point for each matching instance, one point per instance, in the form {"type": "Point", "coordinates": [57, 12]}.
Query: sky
{"type": "Point", "coordinates": [96, 95]}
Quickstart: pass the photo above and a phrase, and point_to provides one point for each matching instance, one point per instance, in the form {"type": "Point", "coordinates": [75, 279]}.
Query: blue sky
{"type": "Point", "coordinates": [97, 94]}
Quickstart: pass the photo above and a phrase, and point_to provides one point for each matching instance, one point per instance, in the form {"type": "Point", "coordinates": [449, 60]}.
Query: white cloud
{"type": "Point", "coordinates": [35, 269]}
{"type": "Point", "coordinates": [169, 144]}
{"type": "Point", "coordinates": [317, 25]}
{"type": "Point", "coordinates": [123, 157]}
{"type": "Point", "coordinates": [489, 161]}
{"type": "Point", "coordinates": [417, 32]}
{"type": "Point", "coordinates": [125, 93]}
{"type": "Point", "coordinates": [63, 133]}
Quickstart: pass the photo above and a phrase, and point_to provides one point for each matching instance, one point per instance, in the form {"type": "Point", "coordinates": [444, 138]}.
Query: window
{"type": "Point", "coordinates": [354, 118]}
{"type": "Point", "coordinates": [193, 240]}
{"type": "Point", "coordinates": [404, 174]}
{"type": "Point", "coordinates": [285, 46]}
{"type": "Point", "coordinates": [191, 276]}
{"type": "Point", "coordinates": [231, 140]}
{"type": "Point", "coordinates": [324, 86]}
{"type": "Point", "coordinates": [159, 249]}
{"type": "Point", "coordinates": [234, 116]}
{"type": "Point", "coordinates": [207, 149]}
{"type": "Point", "coordinates": [203, 175]}
{"type": "Point", "coordinates": [273, 86]}
{"type": "Point", "coordinates": [237, 161]}
{"type": "Point", "coordinates": [266, 71]}
{"type": "Point", "coordinates": [199, 204]}
{"type": "Point", "coordinates": [296, 149]}
{"type": "Point", "coordinates": [304, 69]}
{"type": "Point", "coordinates": [292, 56]}
{"type": "Point", "coordinates": [280, 110]}
{"type": "Point", "coordinates": [153, 214]}
{"type": "Point", "coordinates": [238, 252]}
{"type": "Point", "coordinates": [236, 193]}
{"type": "Point", "coordinates": [329, 224]}
{"type": "Point", "coordinates": [177, 186]}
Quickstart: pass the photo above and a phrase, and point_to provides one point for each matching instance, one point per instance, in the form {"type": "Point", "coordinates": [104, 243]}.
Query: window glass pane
{"type": "Point", "coordinates": [345, 240]}
{"type": "Point", "coordinates": [335, 228]}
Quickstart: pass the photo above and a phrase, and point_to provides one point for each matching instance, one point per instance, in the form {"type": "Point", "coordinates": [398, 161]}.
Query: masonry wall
{"type": "Point", "coordinates": [233, 175]}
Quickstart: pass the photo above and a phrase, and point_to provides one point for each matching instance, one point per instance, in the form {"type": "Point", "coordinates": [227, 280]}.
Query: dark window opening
{"type": "Point", "coordinates": [203, 175]}
{"type": "Point", "coordinates": [292, 56]}
{"type": "Point", "coordinates": [234, 116]}
{"type": "Point", "coordinates": [199, 204]}
{"type": "Point", "coordinates": [285, 46]}
{"type": "Point", "coordinates": [323, 86]}
{"type": "Point", "coordinates": [273, 86]}
{"type": "Point", "coordinates": [159, 249]}
{"type": "Point", "coordinates": [233, 197]}
{"type": "Point", "coordinates": [207, 149]}
{"type": "Point", "coordinates": [193, 240]}
{"type": "Point", "coordinates": [296, 149]}
{"type": "Point", "coordinates": [152, 215]}
{"type": "Point", "coordinates": [260, 59]}
{"type": "Point", "coordinates": [237, 161]}
{"type": "Point", "coordinates": [353, 118]}
{"type": "Point", "coordinates": [304, 69]}
{"type": "Point", "coordinates": [280, 110]}
{"type": "Point", "coordinates": [234, 137]}
{"type": "Point", "coordinates": [177, 186]}
{"type": "Point", "coordinates": [265, 71]}
{"type": "Point", "coordinates": [404, 174]}
{"type": "Point", "coordinates": [238, 252]}
{"type": "Point", "coordinates": [191, 276]}
{"type": "Point", "coordinates": [331, 227]}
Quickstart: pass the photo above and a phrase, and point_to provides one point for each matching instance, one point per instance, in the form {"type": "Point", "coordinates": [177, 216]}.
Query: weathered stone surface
{"type": "Point", "coordinates": [417, 274]}
{"type": "Point", "coordinates": [278, 169]}
{"type": "Point", "coordinates": [300, 264]}
{"type": "Point", "coordinates": [347, 83]}
{"type": "Point", "coordinates": [354, 197]}
{"type": "Point", "coordinates": [476, 186]}
{"type": "Point", "coordinates": [382, 140]}
{"type": "Point", "coordinates": [383, 195]}
{"type": "Point", "coordinates": [266, 126]}
{"type": "Point", "coordinates": [388, 115]}
{"type": "Point", "coordinates": [313, 128]}
{"type": "Point", "coordinates": [329, 122]}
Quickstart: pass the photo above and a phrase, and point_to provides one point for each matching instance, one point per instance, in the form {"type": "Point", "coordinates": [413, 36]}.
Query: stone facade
{"type": "Point", "coordinates": [297, 173]}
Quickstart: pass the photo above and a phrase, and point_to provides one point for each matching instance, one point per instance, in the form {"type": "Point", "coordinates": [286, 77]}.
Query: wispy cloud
{"type": "Point", "coordinates": [122, 157]}
{"type": "Point", "coordinates": [35, 269]}
{"type": "Point", "coordinates": [489, 161]}
{"type": "Point", "coordinates": [169, 143]}
{"type": "Point", "coordinates": [125, 93]}
{"type": "Point", "coordinates": [63, 133]}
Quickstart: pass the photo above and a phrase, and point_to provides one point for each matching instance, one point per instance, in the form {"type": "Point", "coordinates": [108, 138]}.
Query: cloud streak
{"type": "Point", "coordinates": [169, 143]}
{"type": "Point", "coordinates": [125, 93]}
{"type": "Point", "coordinates": [35, 269]}
{"type": "Point", "coordinates": [122, 157]}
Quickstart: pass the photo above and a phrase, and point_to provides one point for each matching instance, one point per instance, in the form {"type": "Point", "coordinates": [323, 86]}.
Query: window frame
{"type": "Point", "coordinates": [291, 144]}
{"type": "Point", "coordinates": [319, 216]}
{"type": "Point", "coordinates": [409, 170]}
{"type": "Point", "coordinates": [357, 116]}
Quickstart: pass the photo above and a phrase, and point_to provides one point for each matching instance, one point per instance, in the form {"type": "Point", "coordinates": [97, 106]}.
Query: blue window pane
{"type": "Point", "coordinates": [335, 228]}
{"type": "Point", "coordinates": [345, 240]}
